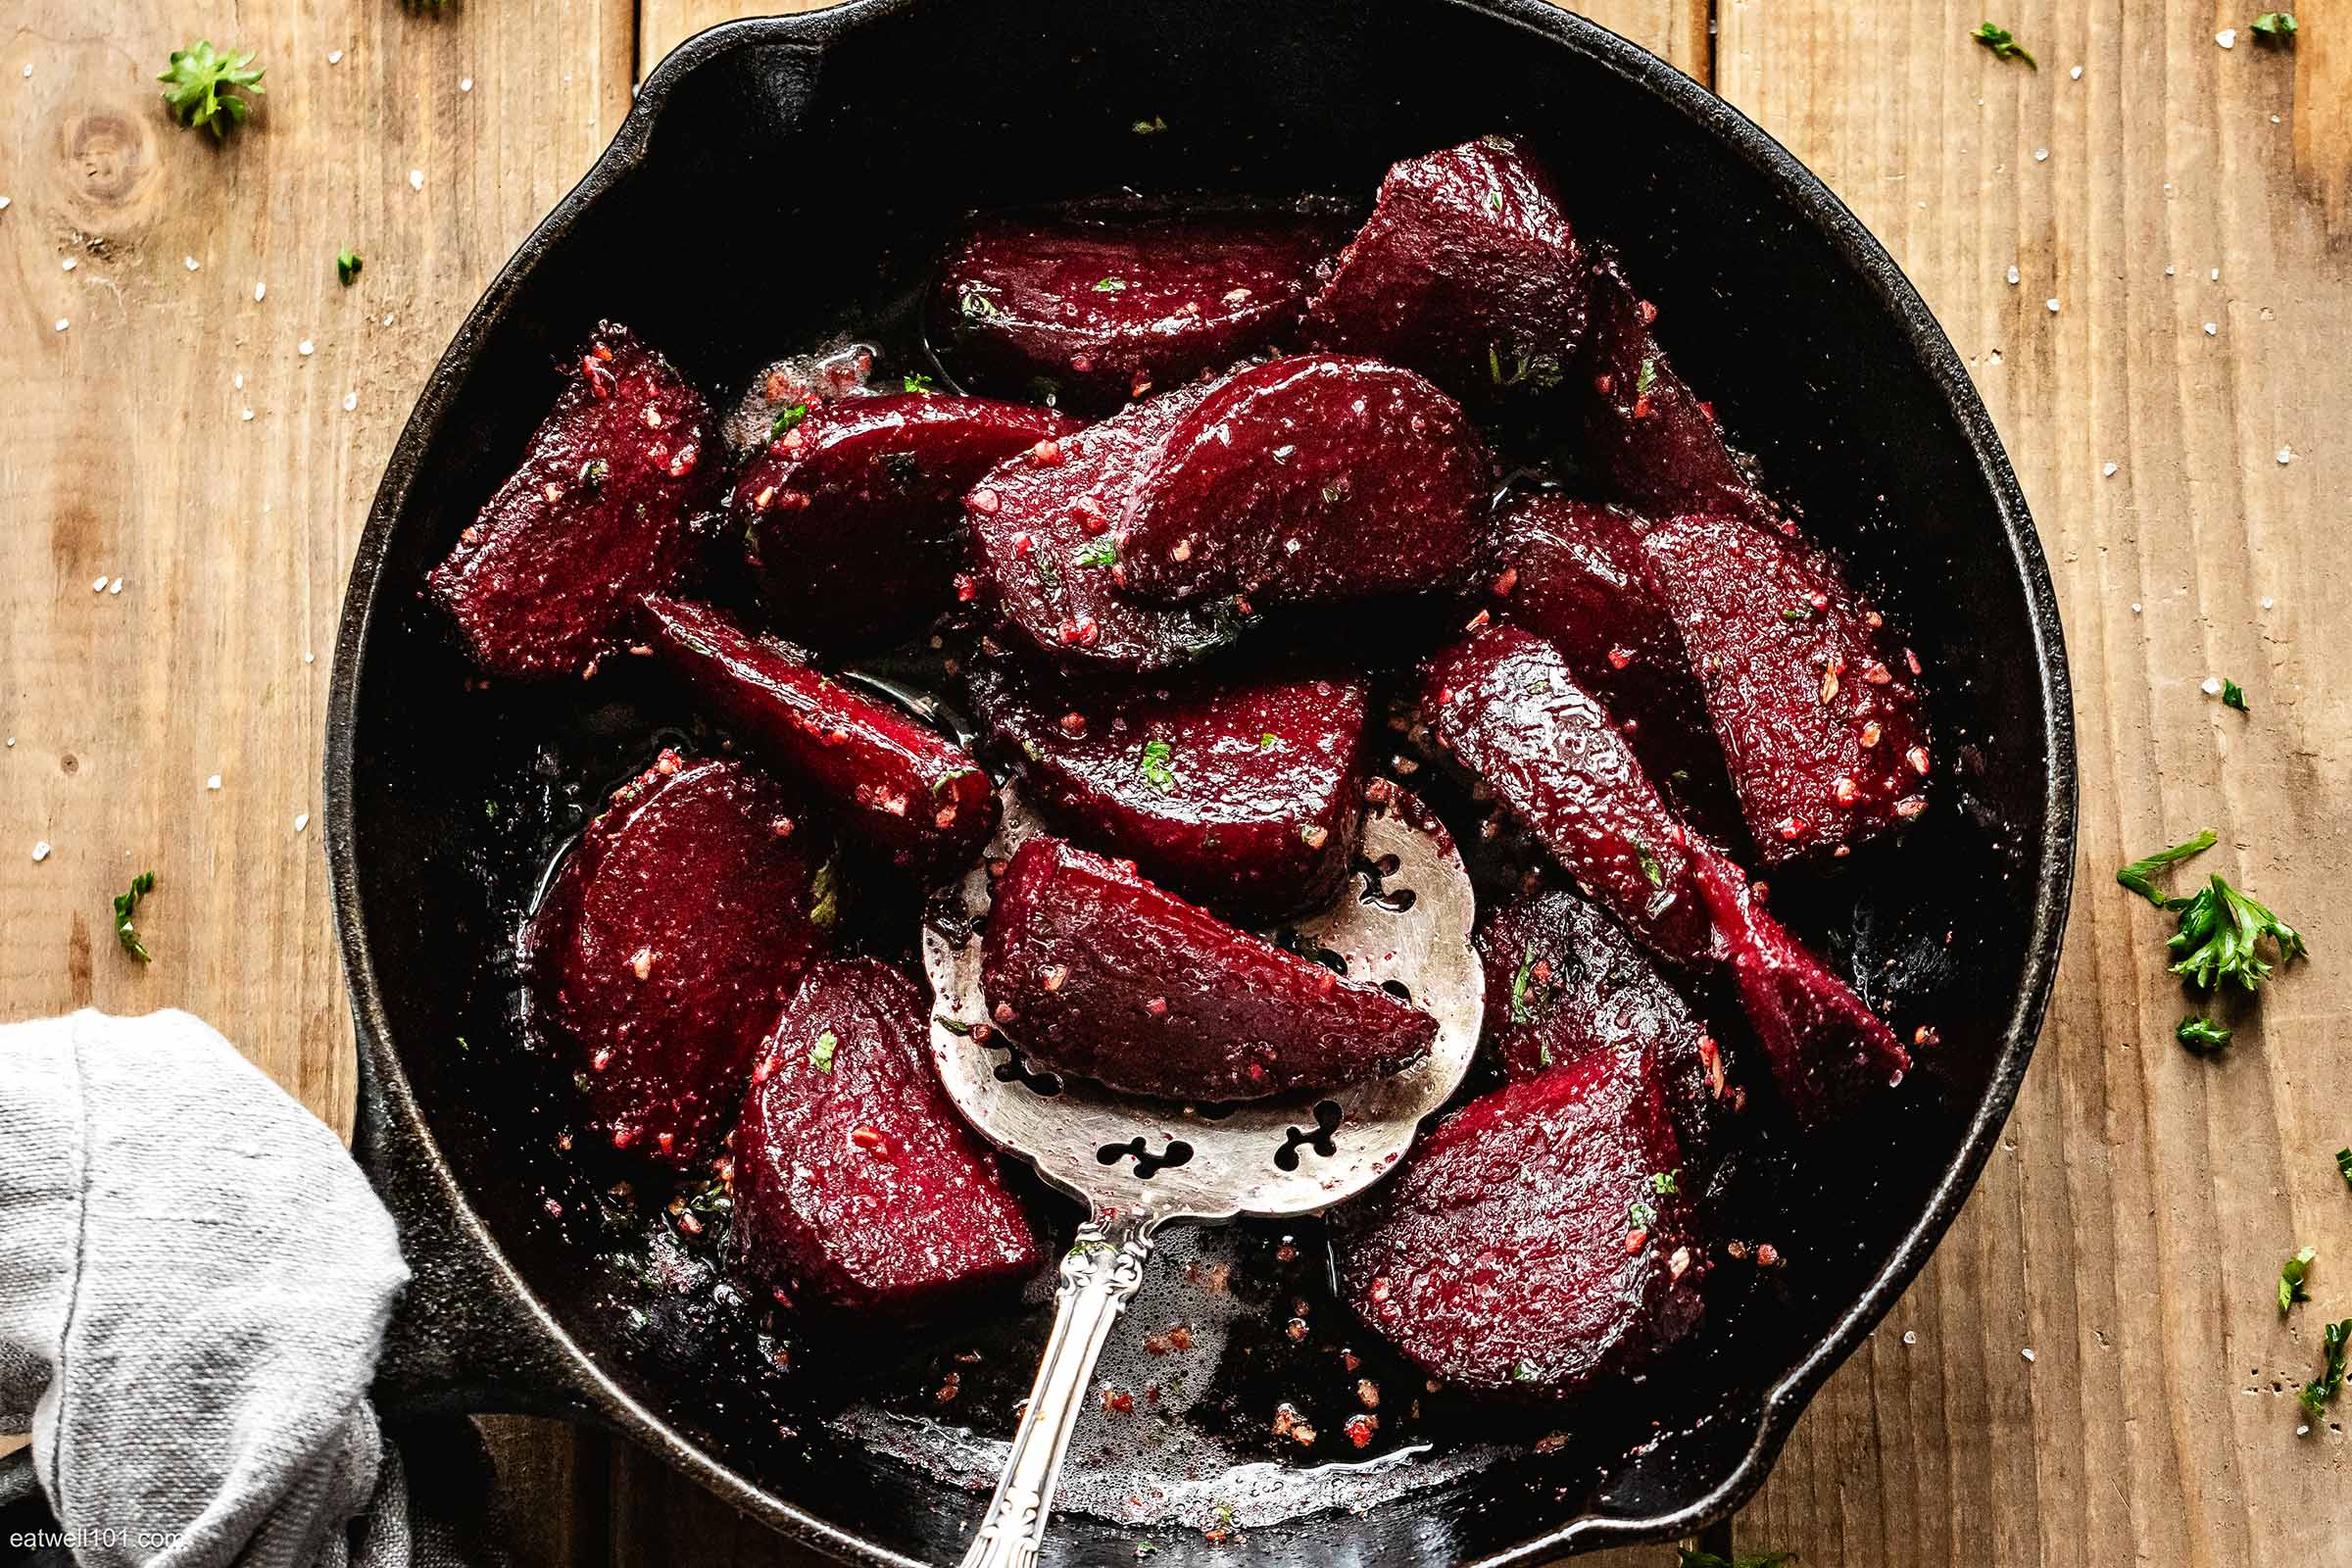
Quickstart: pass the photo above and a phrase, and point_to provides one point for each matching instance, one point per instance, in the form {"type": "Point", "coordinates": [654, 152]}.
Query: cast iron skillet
{"type": "Point", "coordinates": [770, 173]}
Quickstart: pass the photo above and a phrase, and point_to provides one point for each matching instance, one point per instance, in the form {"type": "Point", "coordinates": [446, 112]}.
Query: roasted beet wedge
{"type": "Point", "coordinates": [850, 512]}
{"type": "Point", "coordinates": [1564, 982]}
{"type": "Point", "coordinates": [856, 1185]}
{"type": "Point", "coordinates": [1095, 971]}
{"type": "Point", "coordinates": [888, 781]}
{"type": "Point", "coordinates": [1098, 302]}
{"type": "Point", "coordinates": [1648, 436]}
{"type": "Point", "coordinates": [673, 930]}
{"type": "Point", "coordinates": [1243, 797]}
{"type": "Point", "coordinates": [1810, 692]}
{"type": "Point", "coordinates": [597, 514]}
{"type": "Point", "coordinates": [1571, 572]}
{"type": "Point", "coordinates": [1828, 1053]}
{"type": "Point", "coordinates": [1467, 273]}
{"type": "Point", "coordinates": [1538, 1243]}
{"type": "Point", "coordinates": [1309, 479]}
{"type": "Point", "coordinates": [1504, 703]}
{"type": "Point", "coordinates": [1045, 544]}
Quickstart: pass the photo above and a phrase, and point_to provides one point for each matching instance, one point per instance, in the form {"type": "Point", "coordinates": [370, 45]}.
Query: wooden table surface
{"type": "Point", "coordinates": [2092, 1370]}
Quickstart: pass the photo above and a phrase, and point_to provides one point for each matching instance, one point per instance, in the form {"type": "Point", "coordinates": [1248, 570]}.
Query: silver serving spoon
{"type": "Point", "coordinates": [1138, 1165]}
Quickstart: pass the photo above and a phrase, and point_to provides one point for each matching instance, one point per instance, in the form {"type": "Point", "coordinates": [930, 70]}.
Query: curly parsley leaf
{"type": "Point", "coordinates": [2002, 45]}
{"type": "Point", "coordinates": [1527, 968]}
{"type": "Point", "coordinates": [1102, 553]}
{"type": "Point", "coordinates": [124, 903]}
{"type": "Point", "coordinates": [2219, 929]}
{"type": "Point", "coordinates": [2291, 1275]}
{"type": "Point", "coordinates": [2139, 874]}
{"type": "Point", "coordinates": [1158, 765]}
{"type": "Point", "coordinates": [2233, 695]}
{"type": "Point", "coordinates": [2276, 28]}
{"type": "Point", "coordinates": [202, 83]}
{"type": "Point", "coordinates": [787, 419]}
{"type": "Point", "coordinates": [2321, 1392]}
{"type": "Point", "coordinates": [2343, 1165]}
{"type": "Point", "coordinates": [820, 1054]}
{"type": "Point", "coordinates": [2201, 1035]}
{"type": "Point", "coordinates": [918, 382]}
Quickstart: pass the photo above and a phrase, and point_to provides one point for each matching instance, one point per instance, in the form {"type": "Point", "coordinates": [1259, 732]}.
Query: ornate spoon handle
{"type": "Point", "coordinates": [1099, 1275]}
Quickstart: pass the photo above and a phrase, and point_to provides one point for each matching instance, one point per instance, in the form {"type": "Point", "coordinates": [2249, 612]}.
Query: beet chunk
{"type": "Point", "coordinates": [1649, 437]}
{"type": "Point", "coordinates": [595, 516]}
{"type": "Point", "coordinates": [856, 1185]}
{"type": "Point", "coordinates": [1571, 572]}
{"type": "Point", "coordinates": [1504, 702]}
{"type": "Point", "coordinates": [1828, 1053]}
{"type": "Point", "coordinates": [1811, 693]}
{"type": "Point", "coordinates": [1096, 972]}
{"type": "Point", "coordinates": [1564, 982]}
{"type": "Point", "coordinates": [1245, 798]}
{"type": "Point", "coordinates": [1098, 302]}
{"type": "Point", "coordinates": [1467, 271]}
{"type": "Point", "coordinates": [850, 515]}
{"type": "Point", "coordinates": [1527, 1247]}
{"type": "Point", "coordinates": [889, 782]}
{"type": "Point", "coordinates": [673, 929]}
{"type": "Point", "coordinates": [1049, 555]}
{"type": "Point", "coordinates": [1308, 479]}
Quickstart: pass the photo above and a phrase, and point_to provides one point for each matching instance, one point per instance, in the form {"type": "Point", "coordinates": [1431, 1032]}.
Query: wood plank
{"type": "Point", "coordinates": [2130, 1228]}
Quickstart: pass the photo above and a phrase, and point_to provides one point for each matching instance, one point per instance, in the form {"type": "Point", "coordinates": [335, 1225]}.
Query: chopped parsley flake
{"type": "Point", "coordinates": [2233, 695]}
{"type": "Point", "coordinates": [1650, 867]}
{"type": "Point", "coordinates": [2139, 874]}
{"type": "Point", "coordinates": [124, 903]}
{"type": "Point", "coordinates": [1527, 967]}
{"type": "Point", "coordinates": [2322, 1391]}
{"type": "Point", "coordinates": [1268, 741]}
{"type": "Point", "coordinates": [820, 1054]}
{"type": "Point", "coordinates": [2201, 1035]}
{"type": "Point", "coordinates": [953, 1026]}
{"type": "Point", "coordinates": [1149, 127]}
{"type": "Point", "coordinates": [1639, 1214]}
{"type": "Point", "coordinates": [1111, 285]}
{"type": "Point", "coordinates": [1102, 553]}
{"type": "Point", "coordinates": [1158, 765]}
{"type": "Point", "coordinates": [918, 382]}
{"type": "Point", "coordinates": [1523, 1370]}
{"type": "Point", "coordinates": [1666, 1182]}
{"type": "Point", "coordinates": [2291, 1275]}
{"type": "Point", "coordinates": [2276, 26]}
{"type": "Point", "coordinates": [1542, 370]}
{"type": "Point", "coordinates": [974, 303]}
{"type": "Point", "coordinates": [787, 419]}
{"type": "Point", "coordinates": [348, 264]}
{"type": "Point", "coordinates": [1649, 374]}
{"type": "Point", "coordinates": [2002, 45]}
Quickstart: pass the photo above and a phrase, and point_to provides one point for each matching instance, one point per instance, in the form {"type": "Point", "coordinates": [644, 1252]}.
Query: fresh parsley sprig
{"type": "Point", "coordinates": [124, 903]}
{"type": "Point", "coordinates": [202, 83]}
{"type": "Point", "coordinates": [2291, 1275]}
{"type": "Point", "coordinates": [2321, 1392]}
{"type": "Point", "coordinates": [2201, 1035]}
{"type": "Point", "coordinates": [2219, 929]}
{"type": "Point", "coordinates": [2139, 875]}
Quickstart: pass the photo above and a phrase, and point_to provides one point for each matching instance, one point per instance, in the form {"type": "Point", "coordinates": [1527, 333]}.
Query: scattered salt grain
{"type": "Point", "coordinates": [2286, 455]}
{"type": "Point", "coordinates": [28, 71]}
{"type": "Point", "coordinates": [334, 57]}
{"type": "Point", "coordinates": [2041, 155]}
{"type": "Point", "coordinates": [2013, 278]}
{"type": "Point", "coordinates": [2108, 471]}
{"type": "Point", "coordinates": [260, 292]}
{"type": "Point", "coordinates": [115, 587]}
{"type": "Point", "coordinates": [99, 586]}
{"type": "Point", "coordinates": [41, 849]}
{"type": "Point", "coordinates": [2216, 275]}
{"type": "Point", "coordinates": [465, 84]}
{"type": "Point", "coordinates": [2135, 606]}
{"type": "Point", "coordinates": [302, 821]}
{"type": "Point", "coordinates": [2212, 687]}
{"type": "Point", "coordinates": [303, 348]}
{"type": "Point", "coordinates": [238, 381]}
{"type": "Point", "coordinates": [415, 179]}
{"type": "Point", "coordinates": [310, 659]}
{"type": "Point", "coordinates": [1910, 1336]}
{"type": "Point", "coordinates": [2211, 329]}
{"type": "Point", "coordinates": [2267, 603]}
{"type": "Point", "coordinates": [3, 204]}
{"type": "Point", "coordinates": [63, 323]}
{"type": "Point", "coordinates": [212, 783]}
{"type": "Point", "coordinates": [2053, 305]}
{"type": "Point", "coordinates": [2226, 37]}
{"type": "Point", "coordinates": [2168, 272]}
{"type": "Point", "coordinates": [190, 263]}
{"type": "Point", "coordinates": [387, 318]}
{"type": "Point", "coordinates": [246, 414]}
{"type": "Point", "coordinates": [351, 400]}
{"type": "Point", "coordinates": [71, 264]}
{"type": "Point", "coordinates": [2076, 74]}
{"type": "Point", "coordinates": [2027, 1353]}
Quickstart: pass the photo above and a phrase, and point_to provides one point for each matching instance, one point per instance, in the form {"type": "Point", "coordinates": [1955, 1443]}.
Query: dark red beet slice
{"type": "Point", "coordinates": [1504, 703]}
{"type": "Point", "coordinates": [1467, 273]}
{"type": "Point", "coordinates": [850, 513]}
{"type": "Point", "coordinates": [1097, 302]}
{"type": "Point", "coordinates": [1649, 437]}
{"type": "Point", "coordinates": [1571, 572]}
{"type": "Point", "coordinates": [542, 582]}
{"type": "Point", "coordinates": [856, 1185]}
{"type": "Point", "coordinates": [1810, 692]}
{"type": "Point", "coordinates": [1048, 555]}
{"type": "Point", "coordinates": [1245, 798]}
{"type": "Point", "coordinates": [1308, 479]}
{"type": "Point", "coordinates": [673, 929]}
{"type": "Point", "coordinates": [1096, 972]}
{"type": "Point", "coordinates": [1564, 982]}
{"type": "Point", "coordinates": [1526, 1247]}
{"type": "Point", "coordinates": [1828, 1053]}
{"type": "Point", "coordinates": [889, 781]}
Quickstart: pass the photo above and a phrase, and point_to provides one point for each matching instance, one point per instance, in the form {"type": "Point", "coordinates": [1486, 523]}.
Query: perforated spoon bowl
{"type": "Point", "coordinates": [1138, 1165]}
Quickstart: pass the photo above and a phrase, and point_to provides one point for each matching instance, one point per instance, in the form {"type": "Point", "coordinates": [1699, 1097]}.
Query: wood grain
{"type": "Point", "coordinates": [2130, 1230]}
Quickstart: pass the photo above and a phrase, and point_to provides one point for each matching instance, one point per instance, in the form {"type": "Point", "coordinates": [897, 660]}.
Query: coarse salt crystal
{"type": "Point", "coordinates": [246, 416]}
{"type": "Point", "coordinates": [2135, 606]}
{"type": "Point", "coordinates": [71, 264]}
{"type": "Point", "coordinates": [2053, 305]}
{"type": "Point", "coordinates": [260, 292]}
{"type": "Point", "coordinates": [415, 179]}
{"type": "Point", "coordinates": [302, 821]}
{"type": "Point", "coordinates": [2076, 74]}
{"type": "Point", "coordinates": [238, 381]}
{"type": "Point", "coordinates": [303, 348]}
{"type": "Point", "coordinates": [2013, 278]}
{"type": "Point", "coordinates": [2041, 155]}
{"type": "Point", "coordinates": [41, 849]}
{"type": "Point", "coordinates": [2286, 455]}
{"type": "Point", "coordinates": [334, 57]}
{"type": "Point", "coordinates": [465, 84]}
{"type": "Point", "coordinates": [2027, 1353]}
{"type": "Point", "coordinates": [3, 204]}
{"type": "Point", "coordinates": [1910, 1336]}
{"type": "Point", "coordinates": [351, 400]}
{"type": "Point", "coordinates": [310, 659]}
{"type": "Point", "coordinates": [2226, 37]}
{"type": "Point", "coordinates": [2168, 272]}
{"type": "Point", "coordinates": [212, 783]}
{"type": "Point", "coordinates": [2211, 329]}
{"type": "Point", "coordinates": [99, 586]}
{"type": "Point", "coordinates": [2216, 275]}
{"type": "Point", "coordinates": [63, 323]}
{"type": "Point", "coordinates": [115, 587]}
{"type": "Point", "coordinates": [190, 263]}
{"type": "Point", "coordinates": [2108, 471]}
{"type": "Point", "coordinates": [2212, 687]}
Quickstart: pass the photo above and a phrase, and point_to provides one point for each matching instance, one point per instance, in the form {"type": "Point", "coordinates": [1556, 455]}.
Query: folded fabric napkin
{"type": "Point", "coordinates": [194, 1283]}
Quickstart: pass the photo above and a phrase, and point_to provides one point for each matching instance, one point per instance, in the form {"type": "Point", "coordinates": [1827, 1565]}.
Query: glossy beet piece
{"type": "Point", "coordinates": [1246, 798]}
{"type": "Point", "coordinates": [856, 1185]}
{"type": "Point", "coordinates": [1650, 439]}
{"type": "Point", "coordinates": [598, 514]}
{"type": "Point", "coordinates": [1526, 1248]}
{"type": "Point", "coordinates": [1045, 537]}
{"type": "Point", "coordinates": [1829, 1053]}
{"type": "Point", "coordinates": [850, 513]}
{"type": "Point", "coordinates": [1504, 703]}
{"type": "Point", "coordinates": [1564, 982]}
{"type": "Point", "coordinates": [1095, 303]}
{"type": "Point", "coordinates": [1308, 479]}
{"type": "Point", "coordinates": [1467, 271]}
{"type": "Point", "coordinates": [886, 780]}
{"type": "Point", "coordinates": [1571, 572]}
{"type": "Point", "coordinates": [673, 929]}
{"type": "Point", "coordinates": [1096, 972]}
{"type": "Point", "coordinates": [1811, 693]}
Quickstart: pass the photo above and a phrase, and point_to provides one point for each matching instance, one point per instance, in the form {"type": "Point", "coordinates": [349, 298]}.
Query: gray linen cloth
{"type": "Point", "coordinates": [194, 1283]}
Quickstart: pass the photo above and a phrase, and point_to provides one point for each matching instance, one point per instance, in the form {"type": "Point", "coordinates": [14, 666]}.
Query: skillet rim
{"type": "Point", "coordinates": [387, 1098]}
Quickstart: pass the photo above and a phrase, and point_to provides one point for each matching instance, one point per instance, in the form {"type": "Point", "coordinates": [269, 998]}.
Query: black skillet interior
{"type": "Point", "coordinates": [780, 177]}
